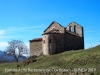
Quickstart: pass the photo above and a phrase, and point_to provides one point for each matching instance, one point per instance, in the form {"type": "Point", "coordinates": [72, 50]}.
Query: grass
{"type": "Point", "coordinates": [83, 62]}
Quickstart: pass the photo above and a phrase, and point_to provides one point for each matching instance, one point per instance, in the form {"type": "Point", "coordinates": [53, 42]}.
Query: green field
{"type": "Point", "coordinates": [79, 62]}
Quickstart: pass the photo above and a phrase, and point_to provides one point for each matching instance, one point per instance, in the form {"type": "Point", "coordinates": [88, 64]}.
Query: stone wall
{"type": "Point", "coordinates": [55, 26]}
{"type": "Point", "coordinates": [45, 46]}
{"type": "Point", "coordinates": [75, 28]}
{"type": "Point", "coordinates": [73, 42]}
{"type": "Point", "coordinates": [57, 43]}
{"type": "Point", "coordinates": [36, 48]}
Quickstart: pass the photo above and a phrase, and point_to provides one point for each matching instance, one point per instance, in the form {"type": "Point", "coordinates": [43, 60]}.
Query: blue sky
{"type": "Point", "coordinates": [27, 19]}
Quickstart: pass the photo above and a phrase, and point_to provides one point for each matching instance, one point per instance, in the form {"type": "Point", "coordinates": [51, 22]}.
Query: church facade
{"type": "Point", "coordinates": [56, 39]}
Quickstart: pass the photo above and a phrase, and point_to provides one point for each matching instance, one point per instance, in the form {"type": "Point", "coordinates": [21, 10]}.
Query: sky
{"type": "Point", "coordinates": [27, 19]}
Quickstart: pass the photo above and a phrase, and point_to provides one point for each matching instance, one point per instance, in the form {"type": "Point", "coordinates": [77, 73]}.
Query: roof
{"type": "Point", "coordinates": [53, 31]}
{"type": "Point", "coordinates": [36, 39]}
{"type": "Point", "coordinates": [75, 23]}
{"type": "Point", "coordinates": [51, 24]}
{"type": "Point", "coordinates": [73, 33]}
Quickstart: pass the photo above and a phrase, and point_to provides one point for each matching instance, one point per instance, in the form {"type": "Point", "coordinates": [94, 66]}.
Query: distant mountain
{"type": "Point", "coordinates": [1, 53]}
{"type": "Point", "coordinates": [7, 58]}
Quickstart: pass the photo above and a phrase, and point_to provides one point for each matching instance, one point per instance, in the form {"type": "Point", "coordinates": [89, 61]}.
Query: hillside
{"type": "Point", "coordinates": [80, 62]}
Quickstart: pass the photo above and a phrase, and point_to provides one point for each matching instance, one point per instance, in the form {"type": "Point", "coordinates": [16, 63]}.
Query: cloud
{"type": "Point", "coordinates": [2, 32]}
{"type": "Point", "coordinates": [3, 44]}
{"type": "Point", "coordinates": [27, 44]}
{"type": "Point", "coordinates": [22, 32]}
{"type": "Point", "coordinates": [10, 36]}
{"type": "Point", "coordinates": [91, 32]}
{"type": "Point", "coordinates": [24, 28]}
{"type": "Point", "coordinates": [13, 32]}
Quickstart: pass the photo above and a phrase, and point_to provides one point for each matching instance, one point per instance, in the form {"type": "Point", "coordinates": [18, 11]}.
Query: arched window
{"type": "Point", "coordinates": [70, 28]}
{"type": "Point", "coordinates": [75, 29]}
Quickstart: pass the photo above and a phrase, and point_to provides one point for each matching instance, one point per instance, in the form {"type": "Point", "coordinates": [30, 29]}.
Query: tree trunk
{"type": "Point", "coordinates": [16, 58]}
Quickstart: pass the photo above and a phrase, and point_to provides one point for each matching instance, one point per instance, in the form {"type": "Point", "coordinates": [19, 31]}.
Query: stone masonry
{"type": "Point", "coordinates": [57, 39]}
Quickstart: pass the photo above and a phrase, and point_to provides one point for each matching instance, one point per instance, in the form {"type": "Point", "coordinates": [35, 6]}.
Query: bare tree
{"type": "Point", "coordinates": [16, 48]}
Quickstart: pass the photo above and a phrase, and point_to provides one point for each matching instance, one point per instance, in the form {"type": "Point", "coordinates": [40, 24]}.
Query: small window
{"type": "Point", "coordinates": [50, 40]}
{"type": "Point", "coordinates": [70, 28]}
{"type": "Point", "coordinates": [75, 29]}
{"type": "Point", "coordinates": [43, 41]}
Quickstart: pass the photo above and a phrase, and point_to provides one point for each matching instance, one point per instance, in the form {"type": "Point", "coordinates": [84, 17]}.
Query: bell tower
{"type": "Point", "coordinates": [75, 28]}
